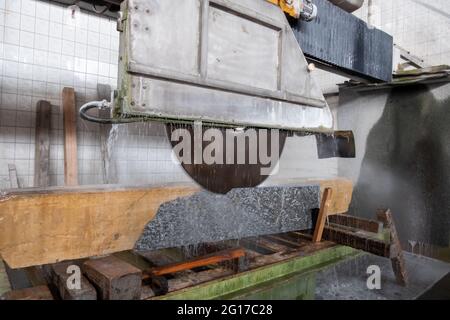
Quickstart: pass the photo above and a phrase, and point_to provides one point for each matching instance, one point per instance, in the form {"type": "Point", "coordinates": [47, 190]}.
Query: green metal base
{"type": "Point", "coordinates": [255, 283]}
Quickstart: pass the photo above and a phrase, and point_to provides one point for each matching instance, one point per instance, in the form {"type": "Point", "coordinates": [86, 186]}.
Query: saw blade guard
{"type": "Point", "coordinates": [228, 63]}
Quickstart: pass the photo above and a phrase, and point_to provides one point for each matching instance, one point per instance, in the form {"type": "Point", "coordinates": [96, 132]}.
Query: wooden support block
{"type": "Point", "coordinates": [323, 213]}
{"type": "Point", "coordinates": [114, 279]}
{"type": "Point", "coordinates": [342, 194]}
{"type": "Point", "coordinates": [70, 137]}
{"type": "Point", "coordinates": [284, 240]}
{"type": "Point", "coordinates": [357, 241]}
{"type": "Point", "coordinates": [79, 222]}
{"type": "Point", "coordinates": [59, 275]}
{"type": "Point", "coordinates": [221, 256]}
{"type": "Point", "coordinates": [13, 179]}
{"type": "Point", "coordinates": [357, 223]}
{"type": "Point", "coordinates": [251, 244]}
{"type": "Point", "coordinates": [42, 144]}
{"type": "Point", "coordinates": [272, 245]}
{"type": "Point", "coordinates": [397, 259]}
{"type": "Point", "coordinates": [35, 293]}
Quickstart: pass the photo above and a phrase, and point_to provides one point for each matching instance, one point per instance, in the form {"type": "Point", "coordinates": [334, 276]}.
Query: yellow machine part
{"type": "Point", "coordinates": [288, 6]}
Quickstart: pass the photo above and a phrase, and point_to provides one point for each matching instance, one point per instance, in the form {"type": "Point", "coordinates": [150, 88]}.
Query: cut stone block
{"type": "Point", "coordinates": [246, 212]}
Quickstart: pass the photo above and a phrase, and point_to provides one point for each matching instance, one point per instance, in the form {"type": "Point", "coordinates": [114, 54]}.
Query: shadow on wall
{"type": "Point", "coordinates": [406, 166]}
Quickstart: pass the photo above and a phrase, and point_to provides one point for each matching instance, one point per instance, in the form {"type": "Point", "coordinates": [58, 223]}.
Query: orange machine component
{"type": "Point", "coordinates": [291, 7]}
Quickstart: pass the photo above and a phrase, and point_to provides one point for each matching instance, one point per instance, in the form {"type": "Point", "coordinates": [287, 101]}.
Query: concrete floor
{"type": "Point", "coordinates": [347, 280]}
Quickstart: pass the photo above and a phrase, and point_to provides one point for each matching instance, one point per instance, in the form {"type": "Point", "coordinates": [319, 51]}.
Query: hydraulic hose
{"type": "Point", "coordinates": [101, 105]}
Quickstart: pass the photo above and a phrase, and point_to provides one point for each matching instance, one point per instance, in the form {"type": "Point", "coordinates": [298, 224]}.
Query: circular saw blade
{"type": "Point", "coordinates": [231, 173]}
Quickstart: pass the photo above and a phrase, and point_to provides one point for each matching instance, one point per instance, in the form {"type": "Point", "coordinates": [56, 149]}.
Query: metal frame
{"type": "Point", "coordinates": [291, 100]}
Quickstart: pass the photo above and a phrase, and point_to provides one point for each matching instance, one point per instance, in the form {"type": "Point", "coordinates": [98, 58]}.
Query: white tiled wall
{"type": "Point", "coordinates": [420, 26]}
{"type": "Point", "coordinates": [43, 48]}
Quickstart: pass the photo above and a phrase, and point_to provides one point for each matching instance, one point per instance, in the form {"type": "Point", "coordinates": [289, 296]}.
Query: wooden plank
{"type": "Point", "coordinates": [342, 194]}
{"type": "Point", "coordinates": [34, 293]}
{"type": "Point", "coordinates": [252, 244]}
{"type": "Point", "coordinates": [213, 258]}
{"type": "Point", "coordinates": [79, 222]}
{"type": "Point", "coordinates": [13, 179]}
{"type": "Point", "coordinates": [272, 245]}
{"type": "Point", "coordinates": [114, 278]}
{"type": "Point", "coordinates": [397, 258]}
{"type": "Point", "coordinates": [342, 191]}
{"type": "Point", "coordinates": [42, 144]}
{"type": "Point", "coordinates": [357, 223]}
{"type": "Point", "coordinates": [284, 240]}
{"type": "Point", "coordinates": [357, 241]}
{"type": "Point", "coordinates": [185, 281]}
{"type": "Point", "coordinates": [134, 259]}
{"type": "Point", "coordinates": [70, 137]}
{"type": "Point", "coordinates": [323, 213]}
{"type": "Point", "coordinates": [59, 275]}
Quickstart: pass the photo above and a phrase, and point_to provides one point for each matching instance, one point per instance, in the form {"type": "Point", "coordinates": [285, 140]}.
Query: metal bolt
{"type": "Point", "coordinates": [311, 67]}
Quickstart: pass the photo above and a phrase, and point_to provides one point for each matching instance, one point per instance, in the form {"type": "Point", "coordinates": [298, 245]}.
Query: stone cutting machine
{"type": "Point", "coordinates": [227, 64]}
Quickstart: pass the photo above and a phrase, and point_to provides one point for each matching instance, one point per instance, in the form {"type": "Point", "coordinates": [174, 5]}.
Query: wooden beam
{"type": "Point", "coordinates": [357, 223]}
{"type": "Point", "coordinates": [323, 213]}
{"type": "Point", "coordinates": [13, 179]}
{"type": "Point", "coordinates": [35, 293]}
{"type": "Point", "coordinates": [114, 278]}
{"type": "Point", "coordinates": [57, 224]}
{"type": "Point", "coordinates": [213, 258]}
{"type": "Point", "coordinates": [357, 241]}
{"type": "Point", "coordinates": [284, 240]}
{"type": "Point", "coordinates": [70, 137]}
{"type": "Point", "coordinates": [42, 144]}
{"type": "Point", "coordinates": [397, 259]}
{"type": "Point", "coordinates": [59, 276]}
{"type": "Point", "coordinates": [342, 194]}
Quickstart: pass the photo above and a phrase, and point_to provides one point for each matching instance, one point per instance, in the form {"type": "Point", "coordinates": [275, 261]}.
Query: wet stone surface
{"type": "Point", "coordinates": [209, 217]}
{"type": "Point", "coordinates": [348, 280]}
